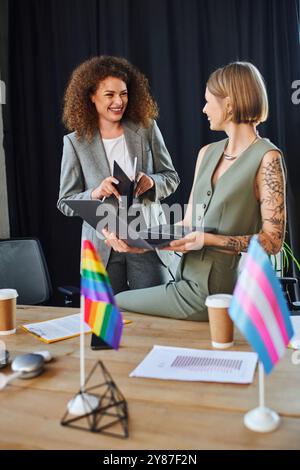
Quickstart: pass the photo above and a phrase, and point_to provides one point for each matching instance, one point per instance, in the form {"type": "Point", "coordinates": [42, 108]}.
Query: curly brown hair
{"type": "Point", "coordinates": [80, 113]}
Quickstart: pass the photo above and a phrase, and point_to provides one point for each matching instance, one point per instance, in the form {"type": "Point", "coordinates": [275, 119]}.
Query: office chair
{"type": "Point", "coordinates": [23, 267]}
{"type": "Point", "coordinates": [289, 285]}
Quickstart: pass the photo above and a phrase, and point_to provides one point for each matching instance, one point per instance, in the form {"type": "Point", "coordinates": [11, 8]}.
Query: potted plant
{"type": "Point", "coordinates": [281, 263]}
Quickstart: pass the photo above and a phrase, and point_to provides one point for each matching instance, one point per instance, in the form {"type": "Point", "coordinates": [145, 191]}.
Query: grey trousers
{"type": "Point", "coordinates": [129, 271]}
{"type": "Point", "coordinates": [199, 274]}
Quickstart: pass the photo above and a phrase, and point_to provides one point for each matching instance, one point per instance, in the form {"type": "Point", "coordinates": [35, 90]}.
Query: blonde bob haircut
{"type": "Point", "coordinates": [244, 85]}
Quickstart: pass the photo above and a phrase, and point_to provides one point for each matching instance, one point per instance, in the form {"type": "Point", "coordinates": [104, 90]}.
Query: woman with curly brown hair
{"type": "Point", "coordinates": [111, 113]}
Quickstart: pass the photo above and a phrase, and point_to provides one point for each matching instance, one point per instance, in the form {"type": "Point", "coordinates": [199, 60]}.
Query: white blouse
{"type": "Point", "coordinates": [116, 150]}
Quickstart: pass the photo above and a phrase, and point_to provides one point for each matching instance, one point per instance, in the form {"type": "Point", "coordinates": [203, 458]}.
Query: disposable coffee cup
{"type": "Point", "coordinates": [8, 307]}
{"type": "Point", "coordinates": [220, 323]}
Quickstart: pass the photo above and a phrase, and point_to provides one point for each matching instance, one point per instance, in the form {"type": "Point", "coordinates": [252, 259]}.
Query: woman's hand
{"type": "Point", "coordinates": [106, 189]}
{"type": "Point", "coordinates": [112, 240]}
{"type": "Point", "coordinates": [192, 241]}
{"type": "Point", "coordinates": [144, 183]}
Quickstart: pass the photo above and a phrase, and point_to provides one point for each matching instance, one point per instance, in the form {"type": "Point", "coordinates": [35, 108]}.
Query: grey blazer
{"type": "Point", "coordinates": [84, 165]}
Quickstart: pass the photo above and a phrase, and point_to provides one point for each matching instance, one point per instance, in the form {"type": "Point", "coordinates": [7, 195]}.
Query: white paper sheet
{"type": "Point", "coordinates": [57, 329]}
{"type": "Point", "coordinates": [170, 363]}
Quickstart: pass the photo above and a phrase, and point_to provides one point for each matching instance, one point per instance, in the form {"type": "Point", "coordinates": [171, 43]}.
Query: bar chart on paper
{"type": "Point", "coordinates": [170, 363]}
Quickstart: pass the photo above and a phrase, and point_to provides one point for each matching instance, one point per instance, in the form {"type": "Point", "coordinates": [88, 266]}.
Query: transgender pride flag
{"type": "Point", "coordinates": [259, 309]}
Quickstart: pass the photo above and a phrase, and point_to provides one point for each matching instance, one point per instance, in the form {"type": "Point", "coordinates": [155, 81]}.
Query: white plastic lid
{"type": "Point", "coordinates": [218, 300]}
{"type": "Point", "coordinates": [6, 294]}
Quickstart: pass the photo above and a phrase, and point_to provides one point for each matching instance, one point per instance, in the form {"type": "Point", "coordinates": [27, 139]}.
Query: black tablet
{"type": "Point", "coordinates": [150, 239]}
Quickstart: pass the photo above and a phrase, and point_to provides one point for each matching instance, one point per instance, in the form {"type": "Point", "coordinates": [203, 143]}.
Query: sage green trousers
{"type": "Point", "coordinates": [199, 274]}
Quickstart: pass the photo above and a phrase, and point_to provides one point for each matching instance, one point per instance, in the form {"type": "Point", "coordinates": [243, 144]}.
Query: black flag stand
{"type": "Point", "coordinates": [111, 410]}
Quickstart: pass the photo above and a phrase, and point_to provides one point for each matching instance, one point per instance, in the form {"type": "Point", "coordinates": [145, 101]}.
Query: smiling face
{"type": "Point", "coordinates": [216, 110]}
{"type": "Point", "coordinates": [111, 99]}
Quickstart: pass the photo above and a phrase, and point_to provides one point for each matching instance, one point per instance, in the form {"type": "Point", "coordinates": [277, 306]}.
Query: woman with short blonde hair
{"type": "Point", "coordinates": [244, 85]}
{"type": "Point", "coordinates": [239, 184]}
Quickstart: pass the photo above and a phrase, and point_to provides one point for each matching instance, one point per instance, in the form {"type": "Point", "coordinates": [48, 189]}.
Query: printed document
{"type": "Point", "coordinates": [170, 363]}
{"type": "Point", "coordinates": [58, 329]}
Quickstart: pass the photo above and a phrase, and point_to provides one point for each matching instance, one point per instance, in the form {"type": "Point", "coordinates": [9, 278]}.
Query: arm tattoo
{"type": "Point", "coordinates": [237, 244]}
{"type": "Point", "coordinates": [272, 203]}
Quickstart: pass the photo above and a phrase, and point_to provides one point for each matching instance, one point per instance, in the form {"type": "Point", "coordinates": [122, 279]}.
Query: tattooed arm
{"type": "Point", "coordinates": [270, 191]}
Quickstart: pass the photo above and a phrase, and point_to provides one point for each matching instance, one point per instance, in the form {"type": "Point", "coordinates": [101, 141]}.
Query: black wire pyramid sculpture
{"type": "Point", "coordinates": [111, 412]}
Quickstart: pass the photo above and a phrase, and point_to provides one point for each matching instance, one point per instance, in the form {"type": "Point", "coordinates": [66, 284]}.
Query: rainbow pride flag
{"type": "Point", "coordinates": [100, 309]}
{"type": "Point", "coordinates": [259, 309]}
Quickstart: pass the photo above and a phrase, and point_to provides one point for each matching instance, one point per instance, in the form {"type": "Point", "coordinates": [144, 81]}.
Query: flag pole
{"type": "Point", "coordinates": [83, 402]}
{"type": "Point", "coordinates": [82, 356]}
{"type": "Point", "coordinates": [261, 385]}
{"type": "Point", "coordinates": [261, 419]}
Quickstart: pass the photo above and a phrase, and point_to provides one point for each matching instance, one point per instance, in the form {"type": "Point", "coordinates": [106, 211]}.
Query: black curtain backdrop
{"type": "Point", "coordinates": [177, 44]}
{"type": "Point", "coordinates": [3, 39]}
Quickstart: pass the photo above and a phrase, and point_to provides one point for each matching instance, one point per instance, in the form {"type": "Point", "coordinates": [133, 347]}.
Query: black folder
{"type": "Point", "coordinates": [125, 186]}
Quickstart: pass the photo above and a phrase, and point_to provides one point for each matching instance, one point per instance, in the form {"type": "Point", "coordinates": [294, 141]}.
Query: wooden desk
{"type": "Point", "coordinates": [162, 414]}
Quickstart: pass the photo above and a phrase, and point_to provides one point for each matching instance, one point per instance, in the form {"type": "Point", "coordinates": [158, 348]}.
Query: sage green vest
{"type": "Point", "coordinates": [231, 206]}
